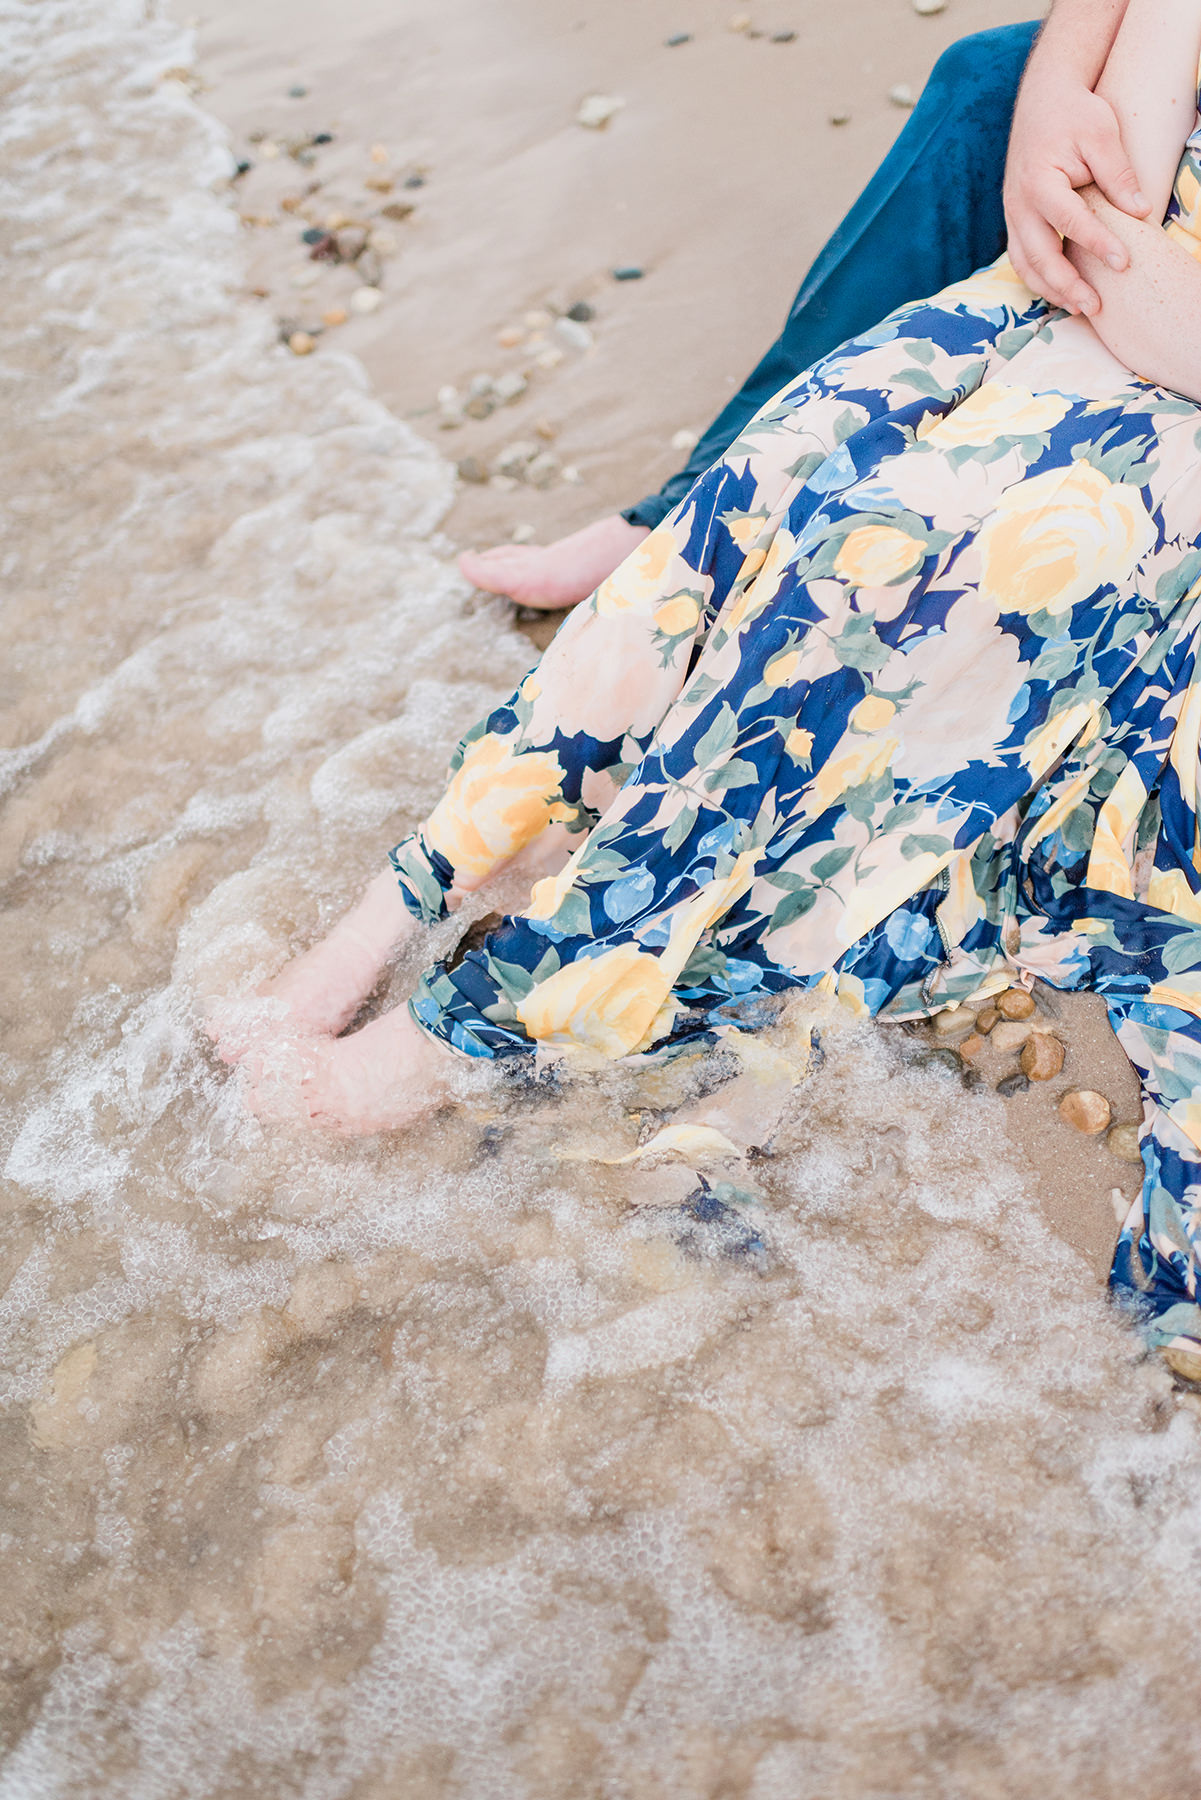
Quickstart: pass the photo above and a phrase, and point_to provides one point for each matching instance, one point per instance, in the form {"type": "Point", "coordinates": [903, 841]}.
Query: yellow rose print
{"type": "Point", "coordinates": [1054, 539]}
{"type": "Point", "coordinates": [995, 411]}
{"type": "Point", "coordinates": [635, 585]}
{"type": "Point", "coordinates": [782, 669]}
{"type": "Point", "coordinates": [677, 615]}
{"type": "Point", "coordinates": [498, 800]}
{"type": "Point", "coordinates": [873, 713]}
{"type": "Point", "coordinates": [799, 743]}
{"type": "Point", "coordinates": [875, 555]}
{"type": "Point", "coordinates": [606, 1003]}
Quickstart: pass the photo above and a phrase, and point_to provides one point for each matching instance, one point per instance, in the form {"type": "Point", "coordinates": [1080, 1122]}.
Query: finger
{"type": "Point", "coordinates": [1113, 175]}
{"type": "Point", "coordinates": [1051, 274]}
{"type": "Point", "coordinates": [1072, 219]}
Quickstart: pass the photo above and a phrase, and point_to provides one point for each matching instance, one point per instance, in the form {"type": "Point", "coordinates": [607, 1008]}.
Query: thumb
{"type": "Point", "coordinates": [1111, 170]}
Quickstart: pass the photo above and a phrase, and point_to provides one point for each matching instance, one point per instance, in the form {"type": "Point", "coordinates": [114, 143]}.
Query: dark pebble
{"type": "Point", "coordinates": [1013, 1084]}
{"type": "Point", "coordinates": [782, 37]}
{"type": "Point", "coordinates": [323, 137]}
{"type": "Point", "coordinates": [472, 469]}
{"type": "Point", "coordinates": [242, 168]}
{"type": "Point", "coordinates": [581, 312]}
{"type": "Point", "coordinates": [412, 181]}
{"type": "Point", "coordinates": [678, 37]}
{"type": "Point", "coordinates": [297, 93]}
{"type": "Point", "coordinates": [313, 234]}
{"type": "Point", "coordinates": [628, 273]}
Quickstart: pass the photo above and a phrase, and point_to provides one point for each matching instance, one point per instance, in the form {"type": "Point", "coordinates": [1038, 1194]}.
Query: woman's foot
{"type": "Point", "coordinates": [318, 994]}
{"type": "Point", "coordinates": [558, 575]}
{"type": "Point", "coordinates": [382, 1078]}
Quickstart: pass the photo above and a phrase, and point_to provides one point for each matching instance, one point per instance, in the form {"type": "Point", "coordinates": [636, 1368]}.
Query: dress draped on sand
{"type": "Point", "coordinates": [903, 699]}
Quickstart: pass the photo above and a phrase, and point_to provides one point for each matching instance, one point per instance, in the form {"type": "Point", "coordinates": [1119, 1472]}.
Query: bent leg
{"type": "Point", "coordinates": [930, 215]}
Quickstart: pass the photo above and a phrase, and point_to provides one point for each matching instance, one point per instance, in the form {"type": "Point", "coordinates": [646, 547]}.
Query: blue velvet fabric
{"type": "Point", "coordinates": [930, 215]}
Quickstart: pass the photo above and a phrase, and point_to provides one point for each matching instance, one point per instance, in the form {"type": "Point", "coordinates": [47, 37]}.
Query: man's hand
{"type": "Point", "coordinates": [1064, 137]}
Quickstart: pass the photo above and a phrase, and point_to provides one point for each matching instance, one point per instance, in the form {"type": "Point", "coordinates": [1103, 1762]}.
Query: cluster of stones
{"type": "Point", "coordinates": [1011, 1022]}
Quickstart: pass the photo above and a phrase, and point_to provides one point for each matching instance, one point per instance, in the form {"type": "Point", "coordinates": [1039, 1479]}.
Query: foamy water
{"type": "Point", "coordinates": [429, 1466]}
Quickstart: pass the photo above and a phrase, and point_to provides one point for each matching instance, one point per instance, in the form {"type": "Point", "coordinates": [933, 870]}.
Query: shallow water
{"type": "Point", "coordinates": [431, 1466]}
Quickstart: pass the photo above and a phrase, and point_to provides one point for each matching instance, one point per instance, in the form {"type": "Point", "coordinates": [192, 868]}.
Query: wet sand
{"type": "Point", "coordinates": [720, 176]}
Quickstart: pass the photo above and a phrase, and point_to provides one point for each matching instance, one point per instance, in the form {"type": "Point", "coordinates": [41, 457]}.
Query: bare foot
{"type": "Point", "coordinates": [552, 576]}
{"type": "Point", "coordinates": [317, 994]}
{"type": "Point", "coordinates": [381, 1078]}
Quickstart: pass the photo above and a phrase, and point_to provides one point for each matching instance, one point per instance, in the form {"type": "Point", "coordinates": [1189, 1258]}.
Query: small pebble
{"type": "Point", "coordinates": [1011, 1085]}
{"type": "Point", "coordinates": [504, 484]}
{"type": "Point", "coordinates": [953, 1019]}
{"type": "Point", "coordinates": [305, 278]}
{"type": "Point", "coordinates": [350, 242]}
{"type": "Point", "coordinates": [269, 149]}
{"type": "Point", "coordinates": [479, 384]}
{"type": "Point", "coordinates": [740, 22]}
{"type": "Point", "coordinates": [546, 429]}
{"type": "Point", "coordinates": [510, 387]}
{"type": "Point", "coordinates": [1123, 1142]}
{"type": "Point", "coordinates": [1016, 1003]}
{"type": "Point", "coordinates": [550, 359]}
{"type": "Point", "coordinates": [577, 336]}
{"type": "Point", "coordinates": [783, 37]}
{"type": "Point", "coordinates": [628, 272]}
{"type": "Point", "coordinates": [971, 1047]}
{"type": "Point", "coordinates": [302, 343]}
{"type": "Point", "coordinates": [480, 406]}
{"type": "Point", "coordinates": [379, 184]}
{"type": "Point", "coordinates": [684, 440]}
{"type": "Point", "coordinates": [1086, 1110]}
{"type": "Point", "coordinates": [542, 469]}
{"type": "Point", "coordinates": [472, 469]}
{"type": "Point", "coordinates": [334, 315]}
{"type": "Point", "coordinates": [678, 37]}
{"type": "Point", "coordinates": [513, 458]}
{"type": "Point", "coordinates": [510, 337]}
{"type": "Point", "coordinates": [396, 210]}
{"type": "Point", "coordinates": [366, 300]}
{"type": "Point", "coordinates": [1042, 1056]}
{"type": "Point", "coordinates": [323, 137]}
{"type": "Point", "coordinates": [369, 268]}
{"type": "Point", "coordinates": [596, 110]}
{"type": "Point", "coordinates": [538, 320]}
{"type": "Point", "coordinates": [986, 1019]}
{"type": "Point", "coordinates": [291, 203]}
{"type": "Point", "coordinates": [379, 153]}
{"type": "Point", "coordinates": [242, 168]}
{"type": "Point", "coordinates": [297, 92]}
{"type": "Point", "coordinates": [522, 534]}
{"type": "Point", "coordinates": [902, 95]}
{"type": "Point", "coordinates": [414, 181]}
{"type": "Point", "coordinates": [1010, 1034]}
{"type": "Point", "coordinates": [581, 312]}
{"type": "Point", "coordinates": [926, 7]}
{"type": "Point", "coordinates": [572, 475]}
{"type": "Point", "coordinates": [384, 243]}
{"type": "Point", "coordinates": [448, 395]}
{"type": "Point", "coordinates": [314, 234]}
{"type": "Point", "coordinates": [840, 118]}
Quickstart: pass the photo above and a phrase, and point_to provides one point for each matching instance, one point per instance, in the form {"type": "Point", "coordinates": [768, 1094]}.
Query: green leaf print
{"type": "Point", "coordinates": [857, 645]}
{"type": "Point", "coordinates": [793, 906]}
{"type": "Point", "coordinates": [719, 739]}
{"type": "Point", "coordinates": [679, 828]}
{"type": "Point", "coordinates": [1181, 953]}
{"type": "Point", "coordinates": [832, 861]}
{"type": "Point", "coordinates": [736, 773]}
{"type": "Point", "coordinates": [924, 843]}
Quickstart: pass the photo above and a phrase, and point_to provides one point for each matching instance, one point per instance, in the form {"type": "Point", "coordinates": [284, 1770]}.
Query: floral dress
{"type": "Point", "coordinates": [903, 700]}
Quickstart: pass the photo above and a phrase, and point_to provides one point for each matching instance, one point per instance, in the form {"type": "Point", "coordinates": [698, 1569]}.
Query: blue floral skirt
{"type": "Point", "coordinates": [902, 700]}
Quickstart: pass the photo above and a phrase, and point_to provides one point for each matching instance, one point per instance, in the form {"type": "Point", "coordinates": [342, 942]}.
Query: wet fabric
{"type": "Point", "coordinates": [902, 700]}
{"type": "Point", "coordinates": [930, 214]}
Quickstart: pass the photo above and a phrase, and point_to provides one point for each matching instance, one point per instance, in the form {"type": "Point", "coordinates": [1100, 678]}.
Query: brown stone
{"type": "Point", "coordinates": [1042, 1056]}
{"type": "Point", "coordinates": [301, 343]}
{"type": "Point", "coordinates": [953, 1019]}
{"type": "Point", "coordinates": [1185, 1363]}
{"type": "Point", "coordinates": [1086, 1110]}
{"type": "Point", "coordinates": [1009, 1034]}
{"type": "Point", "coordinates": [971, 1047]}
{"type": "Point", "coordinates": [1123, 1143]}
{"type": "Point", "coordinates": [1015, 1004]}
{"type": "Point", "coordinates": [986, 1018]}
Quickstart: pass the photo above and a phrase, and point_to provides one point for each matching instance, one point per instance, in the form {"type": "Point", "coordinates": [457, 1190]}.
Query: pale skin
{"type": "Point", "coordinates": [1142, 299]}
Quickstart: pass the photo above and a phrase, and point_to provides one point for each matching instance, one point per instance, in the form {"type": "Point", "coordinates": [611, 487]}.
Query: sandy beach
{"type": "Point", "coordinates": [496, 1458]}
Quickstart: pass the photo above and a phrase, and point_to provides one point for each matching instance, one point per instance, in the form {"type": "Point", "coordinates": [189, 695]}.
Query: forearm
{"type": "Point", "coordinates": [1151, 312]}
{"type": "Point", "coordinates": [1076, 40]}
{"type": "Point", "coordinates": [1150, 81]}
